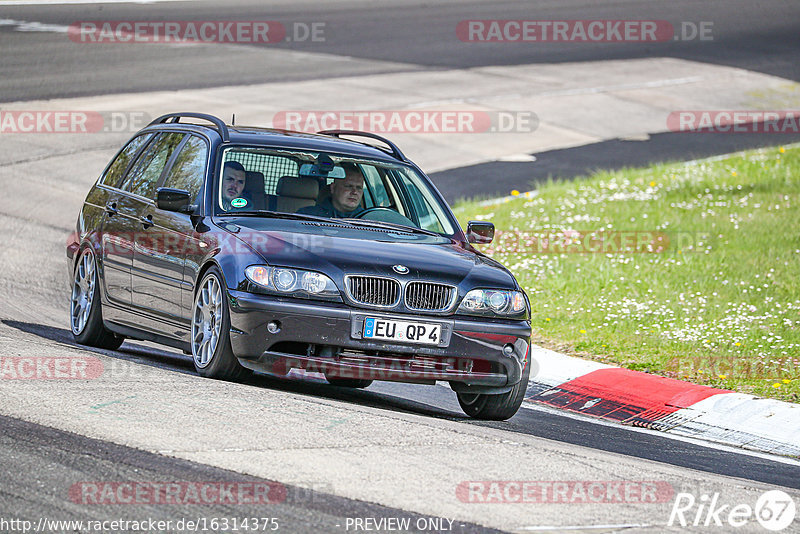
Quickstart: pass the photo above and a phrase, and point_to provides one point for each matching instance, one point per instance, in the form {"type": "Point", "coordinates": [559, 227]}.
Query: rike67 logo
{"type": "Point", "coordinates": [774, 510]}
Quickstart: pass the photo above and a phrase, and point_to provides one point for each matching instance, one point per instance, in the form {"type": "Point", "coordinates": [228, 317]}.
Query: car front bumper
{"type": "Point", "coordinates": [474, 355]}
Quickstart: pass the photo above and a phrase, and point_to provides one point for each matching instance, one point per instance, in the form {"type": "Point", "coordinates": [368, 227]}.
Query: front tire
{"type": "Point", "coordinates": [496, 407]}
{"type": "Point", "coordinates": [86, 316]}
{"type": "Point", "coordinates": [211, 325]}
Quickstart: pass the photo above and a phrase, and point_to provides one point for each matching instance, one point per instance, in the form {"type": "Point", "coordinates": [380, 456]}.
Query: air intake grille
{"type": "Point", "coordinates": [374, 291]}
{"type": "Point", "coordinates": [427, 296]}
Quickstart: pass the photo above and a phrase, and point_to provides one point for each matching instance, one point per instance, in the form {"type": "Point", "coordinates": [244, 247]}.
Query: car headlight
{"type": "Point", "coordinates": [293, 282]}
{"type": "Point", "coordinates": [494, 303]}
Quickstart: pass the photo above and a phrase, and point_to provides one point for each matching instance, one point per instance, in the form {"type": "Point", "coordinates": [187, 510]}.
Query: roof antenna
{"type": "Point", "coordinates": [233, 119]}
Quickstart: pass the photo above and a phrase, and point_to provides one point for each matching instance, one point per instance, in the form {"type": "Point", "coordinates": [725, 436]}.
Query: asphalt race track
{"type": "Point", "coordinates": [339, 460]}
{"type": "Point", "coordinates": [400, 36]}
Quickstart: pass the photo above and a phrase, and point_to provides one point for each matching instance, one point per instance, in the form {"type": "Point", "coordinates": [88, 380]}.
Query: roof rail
{"type": "Point", "coordinates": [395, 151]}
{"type": "Point", "coordinates": [176, 117]}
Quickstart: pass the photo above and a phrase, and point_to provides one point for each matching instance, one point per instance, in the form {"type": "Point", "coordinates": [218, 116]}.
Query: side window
{"type": "Point", "coordinates": [147, 170]}
{"type": "Point", "coordinates": [376, 186]}
{"type": "Point", "coordinates": [189, 169]}
{"type": "Point", "coordinates": [123, 159]}
{"type": "Point", "coordinates": [427, 216]}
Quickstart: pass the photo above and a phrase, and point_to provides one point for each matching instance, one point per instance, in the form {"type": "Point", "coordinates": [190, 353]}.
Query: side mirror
{"type": "Point", "coordinates": [169, 199]}
{"type": "Point", "coordinates": [481, 232]}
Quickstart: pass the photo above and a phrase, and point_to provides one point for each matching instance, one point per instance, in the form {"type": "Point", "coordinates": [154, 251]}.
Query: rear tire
{"type": "Point", "coordinates": [496, 407]}
{"type": "Point", "coordinates": [356, 383]}
{"type": "Point", "coordinates": [211, 325]}
{"type": "Point", "coordinates": [86, 315]}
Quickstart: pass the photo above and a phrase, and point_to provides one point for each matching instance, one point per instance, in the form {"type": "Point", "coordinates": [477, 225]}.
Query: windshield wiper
{"type": "Point", "coordinates": [273, 215]}
{"type": "Point", "coordinates": [344, 221]}
{"type": "Point", "coordinates": [388, 225]}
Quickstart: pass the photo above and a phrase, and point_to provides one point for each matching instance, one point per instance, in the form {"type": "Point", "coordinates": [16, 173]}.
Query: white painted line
{"type": "Point", "coordinates": [25, 26]}
{"type": "Point", "coordinates": [33, 26]}
{"type": "Point", "coordinates": [626, 86]}
{"type": "Point", "coordinates": [569, 92]}
{"type": "Point", "coordinates": [584, 527]}
{"type": "Point", "coordinates": [518, 158]}
{"type": "Point", "coordinates": [62, 2]}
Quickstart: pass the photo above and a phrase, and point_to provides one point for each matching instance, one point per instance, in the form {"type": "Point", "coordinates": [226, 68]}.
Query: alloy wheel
{"type": "Point", "coordinates": [206, 321]}
{"type": "Point", "coordinates": [82, 292]}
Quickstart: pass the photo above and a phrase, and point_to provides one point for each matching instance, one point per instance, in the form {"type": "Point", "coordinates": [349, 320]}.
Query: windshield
{"type": "Point", "coordinates": [327, 185]}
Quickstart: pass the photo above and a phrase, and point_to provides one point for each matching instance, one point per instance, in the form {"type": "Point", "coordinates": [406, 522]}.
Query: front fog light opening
{"type": "Point", "coordinates": [274, 327]}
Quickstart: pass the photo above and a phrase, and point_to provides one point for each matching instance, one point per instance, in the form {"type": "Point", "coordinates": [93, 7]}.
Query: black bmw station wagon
{"type": "Point", "coordinates": [255, 249]}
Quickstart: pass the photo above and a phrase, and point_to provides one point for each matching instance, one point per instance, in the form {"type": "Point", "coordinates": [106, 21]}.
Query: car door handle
{"type": "Point", "coordinates": [147, 221]}
{"type": "Point", "coordinates": [111, 209]}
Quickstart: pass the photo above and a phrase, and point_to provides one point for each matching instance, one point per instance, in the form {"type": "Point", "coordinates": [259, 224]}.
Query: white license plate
{"type": "Point", "coordinates": [402, 331]}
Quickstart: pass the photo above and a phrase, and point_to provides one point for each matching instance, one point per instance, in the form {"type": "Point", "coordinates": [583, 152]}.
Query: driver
{"type": "Point", "coordinates": [345, 199]}
{"type": "Point", "coordinates": [233, 181]}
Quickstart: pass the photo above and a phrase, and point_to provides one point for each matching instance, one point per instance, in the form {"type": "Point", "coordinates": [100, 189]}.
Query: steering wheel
{"type": "Point", "coordinates": [382, 214]}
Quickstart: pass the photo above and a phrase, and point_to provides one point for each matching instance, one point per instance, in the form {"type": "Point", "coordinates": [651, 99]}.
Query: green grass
{"type": "Point", "coordinates": [716, 301]}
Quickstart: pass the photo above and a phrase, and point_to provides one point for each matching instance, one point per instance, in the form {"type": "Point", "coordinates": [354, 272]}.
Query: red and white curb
{"type": "Point", "coordinates": [672, 406]}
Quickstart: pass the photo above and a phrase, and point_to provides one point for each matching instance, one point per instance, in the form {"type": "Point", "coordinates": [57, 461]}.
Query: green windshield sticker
{"type": "Point", "coordinates": [239, 202]}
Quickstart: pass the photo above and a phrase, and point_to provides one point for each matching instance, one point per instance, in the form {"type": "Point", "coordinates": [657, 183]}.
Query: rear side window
{"type": "Point", "coordinates": [123, 159]}
{"type": "Point", "coordinates": [189, 169]}
{"type": "Point", "coordinates": [143, 178]}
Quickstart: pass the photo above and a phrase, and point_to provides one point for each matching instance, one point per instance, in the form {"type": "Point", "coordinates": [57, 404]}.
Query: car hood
{"type": "Point", "coordinates": [338, 251]}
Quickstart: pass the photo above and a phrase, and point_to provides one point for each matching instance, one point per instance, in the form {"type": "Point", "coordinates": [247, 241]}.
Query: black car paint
{"type": "Point", "coordinates": [149, 284]}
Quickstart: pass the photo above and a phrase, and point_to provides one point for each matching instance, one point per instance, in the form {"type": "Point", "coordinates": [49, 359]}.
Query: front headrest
{"type": "Point", "coordinates": [292, 186]}
{"type": "Point", "coordinates": [254, 182]}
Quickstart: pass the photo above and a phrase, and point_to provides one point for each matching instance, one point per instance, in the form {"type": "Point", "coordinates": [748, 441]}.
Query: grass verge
{"type": "Point", "coordinates": [690, 271]}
